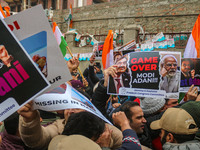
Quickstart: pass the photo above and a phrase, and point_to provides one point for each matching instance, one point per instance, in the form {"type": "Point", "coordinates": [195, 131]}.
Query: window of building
{"type": "Point", "coordinates": [64, 4]}
{"type": "Point", "coordinates": [53, 4]}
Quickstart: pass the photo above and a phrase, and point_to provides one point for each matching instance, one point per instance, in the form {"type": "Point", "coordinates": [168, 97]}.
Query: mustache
{"type": "Point", "coordinates": [121, 67]}
{"type": "Point", "coordinates": [172, 70]}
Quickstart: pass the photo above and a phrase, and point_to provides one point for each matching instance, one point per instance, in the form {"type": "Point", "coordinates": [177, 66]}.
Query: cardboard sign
{"type": "Point", "coordinates": [69, 100]}
{"type": "Point", "coordinates": [128, 47]}
{"type": "Point", "coordinates": [20, 78]}
{"type": "Point", "coordinates": [33, 30]}
{"type": "Point", "coordinates": [147, 74]}
{"type": "Point", "coordinates": [190, 73]}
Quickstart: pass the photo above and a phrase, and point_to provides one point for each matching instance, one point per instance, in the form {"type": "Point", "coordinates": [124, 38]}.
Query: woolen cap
{"type": "Point", "coordinates": [177, 121]}
{"type": "Point", "coordinates": [151, 105]}
{"type": "Point", "coordinates": [72, 142]}
{"type": "Point", "coordinates": [76, 84]}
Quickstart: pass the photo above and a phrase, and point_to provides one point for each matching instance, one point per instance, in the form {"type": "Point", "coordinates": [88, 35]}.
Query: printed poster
{"type": "Point", "coordinates": [144, 74]}
{"type": "Point", "coordinates": [20, 78]}
{"type": "Point", "coordinates": [68, 100]}
{"type": "Point", "coordinates": [190, 73]}
{"type": "Point", "coordinates": [33, 30]}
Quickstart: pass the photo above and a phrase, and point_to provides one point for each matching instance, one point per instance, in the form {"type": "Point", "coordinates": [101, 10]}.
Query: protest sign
{"type": "Point", "coordinates": [33, 30]}
{"type": "Point", "coordinates": [20, 78]}
{"type": "Point", "coordinates": [69, 100]}
{"type": "Point", "coordinates": [128, 47]}
{"type": "Point", "coordinates": [145, 74]}
{"type": "Point", "coordinates": [190, 73]}
{"type": "Point", "coordinates": [98, 48]}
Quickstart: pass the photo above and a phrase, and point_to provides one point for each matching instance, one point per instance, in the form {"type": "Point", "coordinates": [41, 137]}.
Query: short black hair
{"type": "Point", "coordinates": [86, 124]}
{"type": "Point", "coordinates": [125, 107]}
{"type": "Point", "coordinates": [98, 65]}
{"type": "Point", "coordinates": [180, 138]}
{"type": "Point", "coordinates": [11, 124]}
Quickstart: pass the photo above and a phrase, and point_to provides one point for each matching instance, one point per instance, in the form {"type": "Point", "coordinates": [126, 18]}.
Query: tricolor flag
{"type": "Point", "coordinates": [60, 39]}
{"type": "Point", "coordinates": [69, 19]}
{"type": "Point", "coordinates": [107, 54]}
{"type": "Point", "coordinates": [192, 49]}
{"type": "Point", "coordinates": [2, 14]}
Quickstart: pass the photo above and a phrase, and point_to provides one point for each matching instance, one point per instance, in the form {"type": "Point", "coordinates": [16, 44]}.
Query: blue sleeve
{"type": "Point", "coordinates": [130, 141]}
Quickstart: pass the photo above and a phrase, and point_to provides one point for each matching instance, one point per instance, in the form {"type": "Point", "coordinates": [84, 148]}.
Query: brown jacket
{"type": "Point", "coordinates": [38, 137]}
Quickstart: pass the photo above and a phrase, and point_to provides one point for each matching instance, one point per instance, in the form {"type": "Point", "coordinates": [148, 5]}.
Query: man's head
{"type": "Point", "coordinates": [86, 124]}
{"type": "Point", "coordinates": [169, 62]}
{"type": "Point", "coordinates": [135, 116]}
{"type": "Point", "coordinates": [185, 66]}
{"type": "Point", "coordinates": [97, 67]}
{"type": "Point", "coordinates": [177, 126]}
{"type": "Point", "coordinates": [170, 102]}
{"type": "Point", "coordinates": [117, 56]}
{"type": "Point", "coordinates": [121, 65]}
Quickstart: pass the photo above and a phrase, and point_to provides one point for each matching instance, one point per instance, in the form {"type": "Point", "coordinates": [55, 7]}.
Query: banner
{"type": "Point", "coordinates": [145, 74]}
{"type": "Point", "coordinates": [69, 100]}
{"type": "Point", "coordinates": [128, 47]}
{"type": "Point", "coordinates": [190, 73]}
{"type": "Point", "coordinates": [33, 30]}
{"type": "Point", "coordinates": [20, 78]}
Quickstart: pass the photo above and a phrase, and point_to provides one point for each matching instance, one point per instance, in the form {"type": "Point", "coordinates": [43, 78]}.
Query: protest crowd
{"type": "Point", "coordinates": [126, 122]}
{"type": "Point", "coordinates": [138, 123]}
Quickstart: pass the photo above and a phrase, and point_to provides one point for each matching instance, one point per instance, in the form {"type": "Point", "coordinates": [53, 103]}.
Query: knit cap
{"type": "Point", "coordinates": [151, 105]}
{"type": "Point", "coordinates": [76, 84]}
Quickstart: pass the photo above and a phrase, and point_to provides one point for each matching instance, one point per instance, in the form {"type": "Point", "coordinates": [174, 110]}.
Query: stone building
{"type": "Point", "coordinates": [19, 5]}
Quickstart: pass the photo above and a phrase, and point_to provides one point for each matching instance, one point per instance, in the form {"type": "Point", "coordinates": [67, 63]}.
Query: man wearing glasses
{"type": "Point", "coordinates": [170, 80]}
{"type": "Point", "coordinates": [186, 72]}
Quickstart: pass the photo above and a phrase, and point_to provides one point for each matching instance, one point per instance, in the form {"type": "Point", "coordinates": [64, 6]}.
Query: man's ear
{"type": "Point", "coordinates": [170, 138]}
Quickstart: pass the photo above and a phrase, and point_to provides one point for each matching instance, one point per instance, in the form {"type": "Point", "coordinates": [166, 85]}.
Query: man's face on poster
{"type": "Point", "coordinates": [121, 65]}
{"type": "Point", "coordinates": [171, 66]}
{"type": "Point", "coordinates": [185, 66]}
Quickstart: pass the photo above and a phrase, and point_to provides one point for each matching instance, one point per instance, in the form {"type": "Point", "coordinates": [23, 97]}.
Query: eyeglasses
{"type": "Point", "coordinates": [170, 65]}
{"type": "Point", "coordinates": [185, 65]}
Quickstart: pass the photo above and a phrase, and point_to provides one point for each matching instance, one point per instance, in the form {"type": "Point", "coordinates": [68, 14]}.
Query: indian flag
{"type": "Point", "coordinates": [107, 54]}
{"type": "Point", "coordinates": [60, 39]}
{"type": "Point", "coordinates": [2, 14]}
{"type": "Point", "coordinates": [192, 49]}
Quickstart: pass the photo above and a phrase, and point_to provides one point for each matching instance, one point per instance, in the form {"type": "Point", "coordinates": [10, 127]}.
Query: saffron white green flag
{"type": "Point", "coordinates": [60, 39]}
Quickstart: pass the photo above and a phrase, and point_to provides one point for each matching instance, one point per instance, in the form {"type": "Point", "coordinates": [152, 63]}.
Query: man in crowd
{"type": "Point", "coordinates": [170, 102]}
{"type": "Point", "coordinates": [180, 127]}
{"type": "Point", "coordinates": [123, 77]}
{"type": "Point", "coordinates": [137, 121]}
{"type": "Point", "coordinates": [186, 72]}
{"type": "Point", "coordinates": [38, 137]}
{"type": "Point", "coordinates": [96, 131]}
{"type": "Point", "coordinates": [170, 75]}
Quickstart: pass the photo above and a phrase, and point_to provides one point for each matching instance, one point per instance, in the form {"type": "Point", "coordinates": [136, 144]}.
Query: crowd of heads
{"type": "Point", "coordinates": [149, 117]}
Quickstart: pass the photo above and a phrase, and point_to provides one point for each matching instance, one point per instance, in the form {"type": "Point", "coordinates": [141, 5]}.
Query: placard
{"type": "Point", "coordinates": [20, 78]}
{"type": "Point", "coordinates": [145, 74]}
{"type": "Point", "coordinates": [190, 73]}
{"type": "Point", "coordinates": [71, 99]}
{"type": "Point", "coordinates": [33, 30]}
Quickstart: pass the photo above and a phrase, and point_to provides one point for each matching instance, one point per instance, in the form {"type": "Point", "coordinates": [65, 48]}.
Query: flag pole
{"type": "Point", "coordinates": [68, 24]}
{"type": "Point", "coordinates": [78, 66]}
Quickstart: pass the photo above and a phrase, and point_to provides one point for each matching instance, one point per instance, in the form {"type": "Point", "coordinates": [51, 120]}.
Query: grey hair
{"type": "Point", "coordinates": [166, 56]}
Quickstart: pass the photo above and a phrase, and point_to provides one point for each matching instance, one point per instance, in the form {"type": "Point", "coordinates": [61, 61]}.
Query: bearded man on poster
{"type": "Point", "coordinates": [170, 80]}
